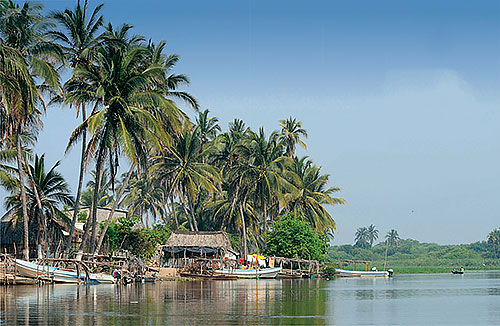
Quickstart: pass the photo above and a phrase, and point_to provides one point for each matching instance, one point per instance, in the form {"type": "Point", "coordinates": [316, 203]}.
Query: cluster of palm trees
{"type": "Point", "coordinates": [494, 242]}
{"type": "Point", "coordinates": [366, 236]}
{"type": "Point", "coordinates": [28, 70]}
{"type": "Point", "coordinates": [123, 87]}
{"type": "Point", "coordinates": [239, 181]}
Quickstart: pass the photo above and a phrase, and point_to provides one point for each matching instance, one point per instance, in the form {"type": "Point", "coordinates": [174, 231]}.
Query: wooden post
{"type": "Point", "coordinates": [5, 265]}
{"type": "Point", "coordinates": [15, 263]}
{"type": "Point", "coordinates": [78, 272]}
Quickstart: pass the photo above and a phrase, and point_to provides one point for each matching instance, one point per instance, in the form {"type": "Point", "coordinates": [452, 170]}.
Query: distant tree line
{"type": "Point", "coordinates": [413, 252]}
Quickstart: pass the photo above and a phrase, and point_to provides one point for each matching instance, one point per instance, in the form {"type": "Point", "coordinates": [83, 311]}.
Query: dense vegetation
{"type": "Point", "coordinates": [182, 173]}
{"type": "Point", "coordinates": [292, 237]}
{"type": "Point", "coordinates": [408, 255]}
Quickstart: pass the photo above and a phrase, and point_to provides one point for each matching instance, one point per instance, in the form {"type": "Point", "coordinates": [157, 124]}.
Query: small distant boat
{"type": "Point", "coordinates": [58, 275]}
{"type": "Point", "coordinates": [457, 272]}
{"type": "Point", "coordinates": [347, 273]}
{"type": "Point", "coordinates": [251, 273]}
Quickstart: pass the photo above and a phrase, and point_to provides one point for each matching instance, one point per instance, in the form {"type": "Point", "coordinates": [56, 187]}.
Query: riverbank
{"type": "Point", "coordinates": [432, 269]}
{"type": "Point", "coordinates": [412, 256]}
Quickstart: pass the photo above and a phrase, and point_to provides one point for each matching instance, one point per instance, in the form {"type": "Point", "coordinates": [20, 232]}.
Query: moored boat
{"type": "Point", "coordinates": [58, 275]}
{"type": "Point", "coordinates": [251, 273]}
{"type": "Point", "coordinates": [208, 277]}
{"type": "Point", "coordinates": [347, 273]}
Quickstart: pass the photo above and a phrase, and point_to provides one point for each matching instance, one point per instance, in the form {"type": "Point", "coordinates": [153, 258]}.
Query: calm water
{"type": "Point", "coordinates": [430, 299]}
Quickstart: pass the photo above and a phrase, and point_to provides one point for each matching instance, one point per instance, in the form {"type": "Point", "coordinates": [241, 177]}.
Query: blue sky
{"type": "Point", "coordinates": [400, 99]}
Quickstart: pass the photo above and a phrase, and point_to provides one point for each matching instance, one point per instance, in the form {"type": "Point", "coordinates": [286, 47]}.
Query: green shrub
{"type": "Point", "coordinates": [292, 237]}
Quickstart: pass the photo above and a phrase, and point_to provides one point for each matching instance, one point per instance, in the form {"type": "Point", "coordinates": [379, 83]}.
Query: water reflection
{"type": "Point", "coordinates": [215, 302]}
{"type": "Point", "coordinates": [406, 299]}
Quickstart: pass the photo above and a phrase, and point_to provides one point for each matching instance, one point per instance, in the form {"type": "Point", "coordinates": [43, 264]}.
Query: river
{"type": "Point", "coordinates": [412, 299]}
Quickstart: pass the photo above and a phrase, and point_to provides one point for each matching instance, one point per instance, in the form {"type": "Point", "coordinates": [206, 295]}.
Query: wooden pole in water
{"type": "Point", "coordinates": [15, 267]}
{"type": "Point", "coordinates": [5, 265]}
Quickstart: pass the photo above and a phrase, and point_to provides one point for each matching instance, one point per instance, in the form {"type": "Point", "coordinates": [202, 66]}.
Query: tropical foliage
{"type": "Point", "coordinates": [44, 211]}
{"type": "Point", "coordinates": [293, 237]}
{"type": "Point", "coordinates": [494, 242]}
{"type": "Point", "coordinates": [27, 70]}
{"type": "Point", "coordinates": [366, 236]}
{"type": "Point", "coordinates": [184, 173]}
{"type": "Point", "coordinates": [417, 257]}
{"type": "Point", "coordinates": [141, 242]}
{"type": "Point", "coordinates": [392, 238]}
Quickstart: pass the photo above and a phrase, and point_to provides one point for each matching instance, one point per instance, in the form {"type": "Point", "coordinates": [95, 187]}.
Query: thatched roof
{"type": "Point", "coordinates": [218, 239]}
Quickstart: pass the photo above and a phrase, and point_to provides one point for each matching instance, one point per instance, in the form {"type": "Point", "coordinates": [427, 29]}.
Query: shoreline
{"type": "Point", "coordinates": [437, 269]}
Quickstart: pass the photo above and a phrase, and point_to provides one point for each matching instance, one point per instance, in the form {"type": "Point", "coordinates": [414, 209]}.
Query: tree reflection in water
{"type": "Point", "coordinates": [208, 302]}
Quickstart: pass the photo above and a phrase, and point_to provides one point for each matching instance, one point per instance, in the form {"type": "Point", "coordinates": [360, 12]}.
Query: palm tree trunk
{"type": "Point", "coordinates": [113, 209]}
{"type": "Point", "coordinates": [181, 198]}
{"type": "Point", "coordinates": [76, 208]}
{"type": "Point", "coordinates": [23, 194]}
{"type": "Point", "coordinates": [265, 219]}
{"type": "Point", "coordinates": [244, 237]}
{"type": "Point", "coordinates": [95, 201]}
{"type": "Point", "coordinates": [146, 219]}
{"type": "Point", "coordinates": [174, 213]}
{"type": "Point", "coordinates": [93, 207]}
{"type": "Point", "coordinates": [193, 216]}
{"type": "Point", "coordinates": [43, 220]}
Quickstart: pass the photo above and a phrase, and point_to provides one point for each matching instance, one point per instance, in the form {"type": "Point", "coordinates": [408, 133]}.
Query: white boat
{"type": "Point", "coordinates": [251, 273]}
{"type": "Point", "coordinates": [58, 275]}
{"type": "Point", "coordinates": [348, 273]}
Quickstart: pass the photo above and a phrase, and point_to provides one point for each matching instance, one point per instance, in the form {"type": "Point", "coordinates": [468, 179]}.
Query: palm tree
{"type": "Point", "coordinates": [362, 238]}
{"type": "Point", "coordinates": [309, 194]}
{"type": "Point", "coordinates": [291, 132]}
{"type": "Point", "coordinates": [7, 172]}
{"type": "Point", "coordinates": [143, 198]}
{"type": "Point", "coordinates": [228, 144]}
{"type": "Point", "coordinates": [25, 56]}
{"type": "Point", "coordinates": [372, 234]}
{"type": "Point", "coordinates": [163, 85]}
{"type": "Point", "coordinates": [53, 192]}
{"type": "Point", "coordinates": [235, 208]}
{"type": "Point", "coordinates": [124, 124]}
{"type": "Point", "coordinates": [208, 126]}
{"type": "Point", "coordinates": [392, 238]}
{"type": "Point", "coordinates": [77, 37]}
{"type": "Point", "coordinates": [169, 82]}
{"type": "Point", "coordinates": [494, 242]}
{"type": "Point", "coordinates": [104, 197]}
{"type": "Point", "coordinates": [262, 166]}
{"type": "Point", "coordinates": [184, 165]}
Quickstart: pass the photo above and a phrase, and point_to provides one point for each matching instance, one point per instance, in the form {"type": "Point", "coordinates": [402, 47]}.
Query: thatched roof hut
{"type": "Point", "coordinates": [185, 244]}
{"type": "Point", "coordinates": [218, 239]}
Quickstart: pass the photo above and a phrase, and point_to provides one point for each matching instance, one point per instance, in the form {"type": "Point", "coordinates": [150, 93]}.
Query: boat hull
{"type": "Point", "coordinates": [209, 277]}
{"type": "Point", "coordinates": [57, 275]}
{"type": "Point", "coordinates": [348, 273]}
{"type": "Point", "coordinates": [251, 273]}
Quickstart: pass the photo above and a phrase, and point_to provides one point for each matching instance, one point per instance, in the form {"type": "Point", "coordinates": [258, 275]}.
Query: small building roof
{"type": "Point", "coordinates": [100, 208]}
{"type": "Point", "coordinates": [217, 239]}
